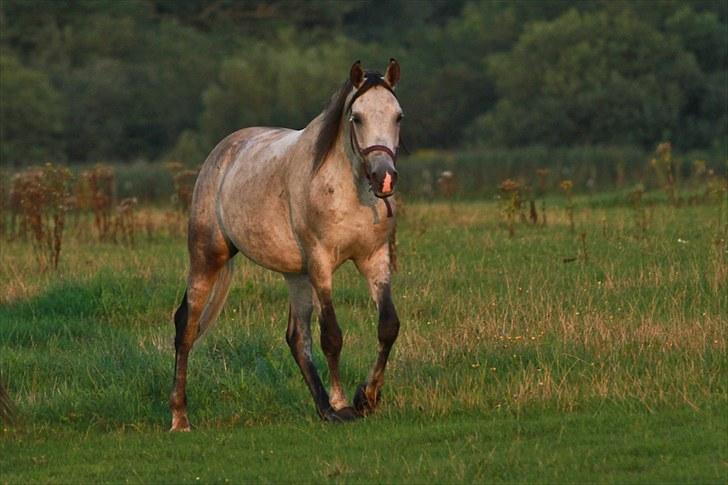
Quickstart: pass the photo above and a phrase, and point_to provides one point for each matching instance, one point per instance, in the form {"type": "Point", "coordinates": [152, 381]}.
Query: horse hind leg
{"type": "Point", "coordinates": [201, 305]}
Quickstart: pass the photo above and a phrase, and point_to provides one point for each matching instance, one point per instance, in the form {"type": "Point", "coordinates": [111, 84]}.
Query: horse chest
{"type": "Point", "coordinates": [353, 233]}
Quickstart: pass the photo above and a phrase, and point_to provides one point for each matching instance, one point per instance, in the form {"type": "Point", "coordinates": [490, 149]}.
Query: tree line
{"type": "Point", "coordinates": [91, 80]}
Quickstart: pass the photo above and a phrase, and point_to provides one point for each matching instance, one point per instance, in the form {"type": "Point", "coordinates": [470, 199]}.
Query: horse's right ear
{"type": "Point", "coordinates": [356, 75]}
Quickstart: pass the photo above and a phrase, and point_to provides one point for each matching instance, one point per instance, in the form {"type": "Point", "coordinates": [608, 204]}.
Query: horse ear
{"type": "Point", "coordinates": [391, 75]}
{"type": "Point", "coordinates": [356, 75]}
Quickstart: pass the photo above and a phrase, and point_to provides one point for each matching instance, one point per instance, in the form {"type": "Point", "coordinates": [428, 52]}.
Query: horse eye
{"type": "Point", "coordinates": [399, 117]}
{"type": "Point", "coordinates": [356, 119]}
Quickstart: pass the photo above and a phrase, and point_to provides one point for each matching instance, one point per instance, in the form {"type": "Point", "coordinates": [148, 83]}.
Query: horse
{"type": "Point", "coordinates": [301, 203]}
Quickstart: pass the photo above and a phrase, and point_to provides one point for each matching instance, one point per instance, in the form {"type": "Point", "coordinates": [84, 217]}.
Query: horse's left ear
{"type": "Point", "coordinates": [391, 75]}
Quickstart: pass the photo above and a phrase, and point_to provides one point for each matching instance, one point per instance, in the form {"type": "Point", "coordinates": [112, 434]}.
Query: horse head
{"type": "Point", "coordinates": [373, 117]}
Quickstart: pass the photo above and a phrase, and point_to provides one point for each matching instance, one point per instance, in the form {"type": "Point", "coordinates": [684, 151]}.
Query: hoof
{"type": "Point", "coordinates": [180, 424]}
{"type": "Point", "coordinates": [341, 416]}
{"type": "Point", "coordinates": [362, 403]}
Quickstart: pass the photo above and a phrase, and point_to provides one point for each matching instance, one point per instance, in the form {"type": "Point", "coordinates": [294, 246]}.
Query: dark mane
{"type": "Point", "coordinates": [334, 113]}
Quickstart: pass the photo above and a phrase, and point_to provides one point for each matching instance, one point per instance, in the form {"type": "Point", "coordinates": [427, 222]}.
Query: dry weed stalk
{"type": "Point", "coordinates": [511, 196]}
{"type": "Point", "coordinates": [184, 185]}
{"type": "Point", "coordinates": [96, 192]}
{"type": "Point", "coordinates": [640, 214]}
{"type": "Point", "coordinates": [4, 204]}
{"type": "Point", "coordinates": [125, 221]}
{"type": "Point", "coordinates": [543, 174]}
{"type": "Point", "coordinates": [17, 227]}
{"type": "Point", "coordinates": [42, 194]}
{"type": "Point", "coordinates": [447, 184]}
{"type": "Point", "coordinates": [566, 187]}
{"type": "Point", "coordinates": [664, 167]}
{"type": "Point", "coordinates": [716, 186]}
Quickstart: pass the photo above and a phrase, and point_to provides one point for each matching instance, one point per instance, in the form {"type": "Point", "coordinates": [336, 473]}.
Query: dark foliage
{"type": "Point", "coordinates": [94, 80]}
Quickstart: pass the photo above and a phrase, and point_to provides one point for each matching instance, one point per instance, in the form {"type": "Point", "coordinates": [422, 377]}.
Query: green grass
{"type": "Point", "coordinates": [603, 446]}
{"type": "Point", "coordinates": [511, 365]}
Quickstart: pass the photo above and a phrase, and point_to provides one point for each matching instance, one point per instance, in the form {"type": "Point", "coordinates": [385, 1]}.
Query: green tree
{"type": "Point", "coordinates": [589, 78]}
{"type": "Point", "coordinates": [281, 84]}
{"type": "Point", "coordinates": [31, 114]}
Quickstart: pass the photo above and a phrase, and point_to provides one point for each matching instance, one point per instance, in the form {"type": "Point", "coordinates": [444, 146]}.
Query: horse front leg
{"type": "Point", "coordinates": [376, 270]}
{"type": "Point", "coordinates": [298, 337]}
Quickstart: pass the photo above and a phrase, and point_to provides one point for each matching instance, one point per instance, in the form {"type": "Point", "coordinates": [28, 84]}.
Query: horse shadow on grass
{"type": "Point", "coordinates": [75, 356]}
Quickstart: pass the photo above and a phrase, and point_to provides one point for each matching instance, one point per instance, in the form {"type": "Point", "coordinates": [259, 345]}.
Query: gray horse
{"type": "Point", "coordinates": [300, 203]}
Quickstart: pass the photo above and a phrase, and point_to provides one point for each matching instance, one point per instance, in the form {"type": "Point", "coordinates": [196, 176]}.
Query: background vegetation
{"type": "Point", "coordinates": [95, 80]}
{"type": "Point", "coordinates": [552, 330]}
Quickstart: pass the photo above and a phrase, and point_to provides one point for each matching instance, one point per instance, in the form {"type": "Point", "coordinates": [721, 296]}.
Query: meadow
{"type": "Point", "coordinates": [597, 354]}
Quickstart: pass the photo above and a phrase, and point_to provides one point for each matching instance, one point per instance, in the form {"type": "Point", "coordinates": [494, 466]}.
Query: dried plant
{"type": "Point", "coordinates": [447, 184]}
{"type": "Point", "coordinates": [174, 167]}
{"type": "Point", "coordinates": [664, 167]}
{"type": "Point", "coordinates": [543, 174]}
{"type": "Point", "coordinates": [18, 228]}
{"type": "Point", "coordinates": [184, 185]}
{"type": "Point", "coordinates": [42, 194]}
{"type": "Point", "coordinates": [125, 221]}
{"type": "Point", "coordinates": [640, 214]}
{"type": "Point", "coordinates": [567, 186]}
{"type": "Point", "coordinates": [716, 186]}
{"type": "Point", "coordinates": [511, 197]}
{"type": "Point", "coordinates": [4, 204]}
{"type": "Point", "coordinates": [96, 192]}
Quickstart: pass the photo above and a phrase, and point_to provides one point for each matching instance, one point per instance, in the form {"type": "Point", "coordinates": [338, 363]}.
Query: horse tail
{"type": "Point", "coordinates": [217, 298]}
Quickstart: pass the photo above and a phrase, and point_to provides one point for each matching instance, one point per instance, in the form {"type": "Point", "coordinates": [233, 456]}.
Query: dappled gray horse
{"type": "Point", "coordinates": [300, 203]}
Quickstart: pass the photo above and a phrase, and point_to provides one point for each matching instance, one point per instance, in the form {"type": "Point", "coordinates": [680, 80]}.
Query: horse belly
{"type": "Point", "coordinates": [255, 217]}
{"type": "Point", "coordinates": [272, 249]}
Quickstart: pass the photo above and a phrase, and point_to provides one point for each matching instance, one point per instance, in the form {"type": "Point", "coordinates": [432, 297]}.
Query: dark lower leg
{"type": "Point", "coordinates": [331, 344]}
{"type": "Point", "coordinates": [298, 337]}
{"type": "Point", "coordinates": [367, 396]}
{"type": "Point", "coordinates": [178, 397]}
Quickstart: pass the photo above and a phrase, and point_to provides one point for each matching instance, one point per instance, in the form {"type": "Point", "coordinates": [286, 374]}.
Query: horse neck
{"type": "Point", "coordinates": [344, 167]}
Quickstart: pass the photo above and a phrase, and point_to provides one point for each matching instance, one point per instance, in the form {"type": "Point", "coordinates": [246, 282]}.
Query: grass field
{"type": "Point", "coordinates": [549, 356]}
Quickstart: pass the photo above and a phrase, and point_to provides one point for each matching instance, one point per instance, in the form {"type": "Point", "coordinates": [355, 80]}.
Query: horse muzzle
{"type": "Point", "coordinates": [382, 176]}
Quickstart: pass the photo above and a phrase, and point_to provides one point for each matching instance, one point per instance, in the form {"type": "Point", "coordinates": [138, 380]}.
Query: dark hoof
{"type": "Point", "coordinates": [362, 403]}
{"type": "Point", "coordinates": [341, 416]}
